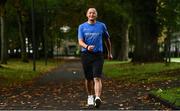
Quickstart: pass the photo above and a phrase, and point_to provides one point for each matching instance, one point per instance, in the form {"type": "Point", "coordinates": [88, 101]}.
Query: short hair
{"type": "Point", "coordinates": [93, 9]}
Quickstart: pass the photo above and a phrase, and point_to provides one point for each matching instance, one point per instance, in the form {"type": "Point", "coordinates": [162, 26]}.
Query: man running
{"type": "Point", "coordinates": [90, 38]}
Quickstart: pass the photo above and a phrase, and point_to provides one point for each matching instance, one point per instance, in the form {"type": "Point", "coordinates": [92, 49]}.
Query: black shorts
{"type": "Point", "coordinates": [92, 64]}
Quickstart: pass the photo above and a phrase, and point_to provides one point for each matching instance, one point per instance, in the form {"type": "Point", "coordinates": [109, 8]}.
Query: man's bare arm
{"type": "Point", "coordinates": [109, 49]}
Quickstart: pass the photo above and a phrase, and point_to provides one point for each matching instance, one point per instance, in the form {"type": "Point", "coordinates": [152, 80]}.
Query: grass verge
{"type": "Point", "coordinates": [16, 72]}
{"type": "Point", "coordinates": [172, 95]}
{"type": "Point", "coordinates": [146, 72]}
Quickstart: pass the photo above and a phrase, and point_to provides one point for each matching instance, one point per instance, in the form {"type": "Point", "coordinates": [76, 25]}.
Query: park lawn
{"type": "Point", "coordinates": [171, 95]}
{"type": "Point", "coordinates": [16, 72]}
{"type": "Point", "coordinates": [144, 72]}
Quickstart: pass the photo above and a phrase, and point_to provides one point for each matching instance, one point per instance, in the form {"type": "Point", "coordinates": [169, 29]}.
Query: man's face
{"type": "Point", "coordinates": [91, 14]}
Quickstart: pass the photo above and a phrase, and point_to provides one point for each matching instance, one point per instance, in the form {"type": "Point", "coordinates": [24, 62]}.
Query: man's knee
{"type": "Point", "coordinates": [97, 79]}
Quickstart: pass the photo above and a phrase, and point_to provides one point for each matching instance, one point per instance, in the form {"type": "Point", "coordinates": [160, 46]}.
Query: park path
{"type": "Point", "coordinates": [63, 89]}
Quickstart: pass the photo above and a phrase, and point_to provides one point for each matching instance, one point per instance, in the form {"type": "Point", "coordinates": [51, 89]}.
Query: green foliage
{"type": "Point", "coordinates": [168, 14]}
{"type": "Point", "coordinates": [119, 9]}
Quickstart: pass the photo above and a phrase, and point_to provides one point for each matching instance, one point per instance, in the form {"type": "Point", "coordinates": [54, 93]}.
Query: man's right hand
{"type": "Point", "coordinates": [90, 47]}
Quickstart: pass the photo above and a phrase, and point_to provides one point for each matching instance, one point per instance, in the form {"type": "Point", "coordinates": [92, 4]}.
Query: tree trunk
{"type": "Point", "coordinates": [3, 43]}
{"type": "Point", "coordinates": [120, 44]}
{"type": "Point", "coordinates": [124, 43]}
{"type": "Point", "coordinates": [168, 46]}
{"type": "Point", "coordinates": [24, 57]}
{"type": "Point", "coordinates": [4, 54]}
{"type": "Point", "coordinates": [116, 51]}
{"type": "Point", "coordinates": [146, 48]}
{"type": "Point", "coordinates": [146, 31]}
{"type": "Point", "coordinates": [116, 40]}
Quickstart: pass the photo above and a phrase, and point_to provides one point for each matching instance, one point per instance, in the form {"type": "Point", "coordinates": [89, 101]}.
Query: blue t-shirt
{"type": "Point", "coordinates": [92, 34]}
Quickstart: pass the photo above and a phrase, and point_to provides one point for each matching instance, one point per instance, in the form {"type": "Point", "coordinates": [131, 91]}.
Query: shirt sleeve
{"type": "Point", "coordinates": [105, 31]}
{"type": "Point", "coordinates": [80, 32]}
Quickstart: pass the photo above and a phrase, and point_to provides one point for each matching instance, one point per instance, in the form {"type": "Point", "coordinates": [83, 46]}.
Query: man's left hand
{"type": "Point", "coordinates": [109, 56]}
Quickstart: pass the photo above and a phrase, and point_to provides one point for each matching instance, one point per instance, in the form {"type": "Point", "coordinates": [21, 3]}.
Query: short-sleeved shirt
{"type": "Point", "coordinates": [92, 34]}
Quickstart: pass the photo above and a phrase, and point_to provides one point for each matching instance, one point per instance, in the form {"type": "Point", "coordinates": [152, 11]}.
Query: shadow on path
{"type": "Point", "coordinates": [71, 70]}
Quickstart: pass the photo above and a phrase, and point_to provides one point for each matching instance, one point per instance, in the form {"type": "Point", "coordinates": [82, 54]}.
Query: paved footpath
{"type": "Point", "coordinates": [63, 89]}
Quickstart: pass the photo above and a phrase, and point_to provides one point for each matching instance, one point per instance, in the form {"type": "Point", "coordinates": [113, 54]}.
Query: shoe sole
{"type": "Point", "coordinates": [98, 103]}
{"type": "Point", "coordinates": [90, 106]}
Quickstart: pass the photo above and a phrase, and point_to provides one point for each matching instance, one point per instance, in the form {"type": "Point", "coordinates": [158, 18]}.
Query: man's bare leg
{"type": "Point", "coordinates": [90, 90]}
{"type": "Point", "coordinates": [97, 86]}
{"type": "Point", "coordinates": [89, 86]}
{"type": "Point", "coordinates": [98, 90]}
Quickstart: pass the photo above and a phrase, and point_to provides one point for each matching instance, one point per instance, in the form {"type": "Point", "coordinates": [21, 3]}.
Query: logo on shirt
{"type": "Point", "coordinates": [92, 34]}
{"type": "Point", "coordinates": [85, 29]}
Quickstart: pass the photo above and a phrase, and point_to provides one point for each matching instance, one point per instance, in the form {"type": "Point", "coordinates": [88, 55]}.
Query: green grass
{"type": "Point", "coordinates": [170, 95]}
{"type": "Point", "coordinates": [17, 72]}
{"type": "Point", "coordinates": [175, 59]}
{"type": "Point", "coordinates": [148, 72]}
{"type": "Point", "coordinates": [115, 62]}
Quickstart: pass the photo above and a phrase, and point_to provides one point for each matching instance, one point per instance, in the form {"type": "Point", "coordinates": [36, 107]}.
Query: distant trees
{"type": "Point", "coordinates": [134, 25]}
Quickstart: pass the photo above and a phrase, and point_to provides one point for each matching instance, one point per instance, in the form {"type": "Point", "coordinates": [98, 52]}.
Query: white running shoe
{"type": "Point", "coordinates": [97, 102]}
{"type": "Point", "coordinates": [90, 100]}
